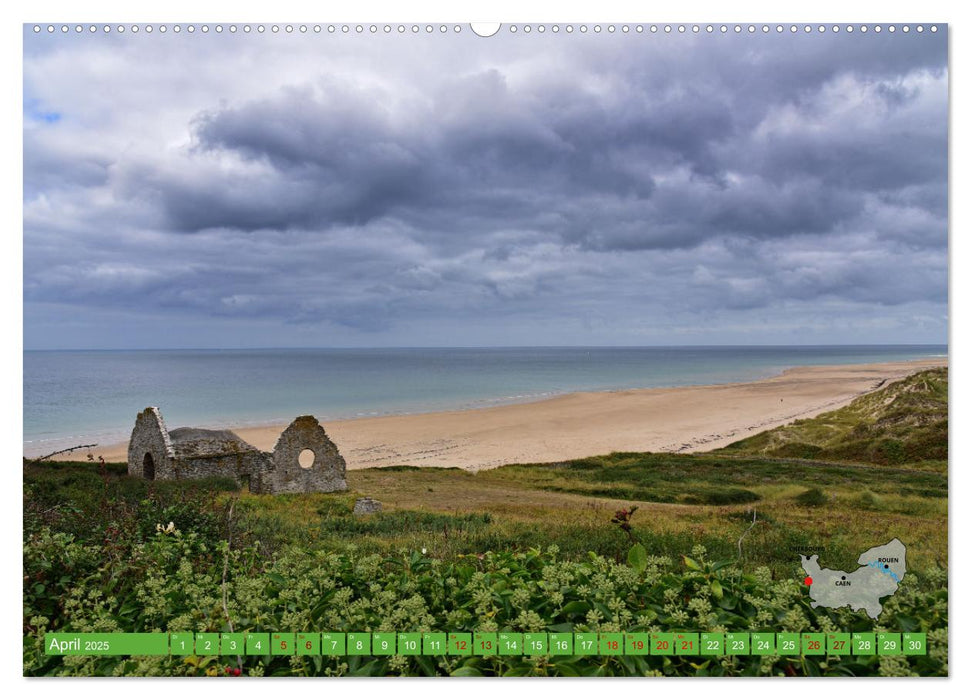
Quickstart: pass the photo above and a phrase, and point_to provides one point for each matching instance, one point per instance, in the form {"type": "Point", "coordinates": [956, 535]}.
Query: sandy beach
{"type": "Point", "coordinates": [681, 419]}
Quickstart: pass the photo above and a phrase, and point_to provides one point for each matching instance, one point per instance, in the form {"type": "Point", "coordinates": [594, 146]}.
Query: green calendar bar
{"type": "Point", "coordinates": [308, 644]}
{"type": "Point", "coordinates": [611, 644]}
{"type": "Point", "coordinates": [637, 644]}
{"type": "Point", "coordinates": [283, 643]}
{"type": "Point", "coordinates": [207, 644]}
{"type": "Point", "coordinates": [662, 644]}
{"type": "Point", "coordinates": [182, 644]}
{"type": "Point", "coordinates": [712, 644]}
{"type": "Point", "coordinates": [585, 644]}
{"type": "Point", "coordinates": [488, 644]}
{"type": "Point", "coordinates": [536, 644]}
{"type": "Point", "coordinates": [460, 644]}
{"type": "Point", "coordinates": [888, 644]}
{"type": "Point", "coordinates": [915, 644]}
{"type": "Point", "coordinates": [787, 643]}
{"type": "Point", "coordinates": [686, 643]}
{"type": "Point", "coordinates": [409, 643]}
{"type": "Point", "coordinates": [561, 644]}
{"type": "Point", "coordinates": [864, 644]}
{"type": "Point", "coordinates": [433, 643]}
{"type": "Point", "coordinates": [813, 644]}
{"type": "Point", "coordinates": [257, 643]}
{"type": "Point", "coordinates": [763, 643]}
{"type": "Point", "coordinates": [510, 644]}
{"type": "Point", "coordinates": [232, 643]}
{"type": "Point", "coordinates": [838, 644]}
{"type": "Point", "coordinates": [106, 644]}
{"type": "Point", "coordinates": [485, 643]}
{"type": "Point", "coordinates": [737, 643]}
{"type": "Point", "coordinates": [333, 644]}
{"type": "Point", "coordinates": [358, 644]}
{"type": "Point", "coordinates": [383, 643]}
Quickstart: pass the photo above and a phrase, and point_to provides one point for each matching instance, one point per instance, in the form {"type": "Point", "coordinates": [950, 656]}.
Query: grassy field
{"type": "Point", "coordinates": [837, 484]}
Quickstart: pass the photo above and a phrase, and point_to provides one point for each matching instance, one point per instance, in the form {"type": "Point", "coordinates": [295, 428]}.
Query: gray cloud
{"type": "Point", "coordinates": [385, 191]}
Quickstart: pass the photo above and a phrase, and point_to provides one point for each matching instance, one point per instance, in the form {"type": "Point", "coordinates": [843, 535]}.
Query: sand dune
{"type": "Point", "coordinates": [682, 419]}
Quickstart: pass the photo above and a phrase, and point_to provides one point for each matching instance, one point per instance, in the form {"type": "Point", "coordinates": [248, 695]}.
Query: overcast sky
{"type": "Point", "coordinates": [327, 190]}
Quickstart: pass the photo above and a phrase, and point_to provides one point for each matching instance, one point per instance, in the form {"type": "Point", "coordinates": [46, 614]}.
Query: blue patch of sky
{"type": "Point", "coordinates": [34, 111]}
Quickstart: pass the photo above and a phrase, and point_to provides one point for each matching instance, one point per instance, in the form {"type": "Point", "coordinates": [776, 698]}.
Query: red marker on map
{"type": "Point", "coordinates": [808, 580]}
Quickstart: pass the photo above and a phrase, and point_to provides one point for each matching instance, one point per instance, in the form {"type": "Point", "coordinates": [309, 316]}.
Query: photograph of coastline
{"type": "Point", "coordinates": [557, 332]}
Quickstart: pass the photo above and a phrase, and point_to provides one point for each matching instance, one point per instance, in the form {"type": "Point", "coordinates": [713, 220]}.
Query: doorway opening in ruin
{"type": "Point", "coordinates": [306, 459]}
{"type": "Point", "coordinates": [148, 467]}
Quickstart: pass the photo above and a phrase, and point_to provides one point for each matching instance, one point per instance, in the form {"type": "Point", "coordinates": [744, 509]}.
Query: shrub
{"type": "Point", "coordinates": [812, 497]}
{"type": "Point", "coordinates": [720, 497]}
{"type": "Point", "coordinates": [869, 501]}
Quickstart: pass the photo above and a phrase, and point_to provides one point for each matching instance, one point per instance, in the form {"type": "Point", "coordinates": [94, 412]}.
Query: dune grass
{"type": "Point", "coordinates": [904, 423]}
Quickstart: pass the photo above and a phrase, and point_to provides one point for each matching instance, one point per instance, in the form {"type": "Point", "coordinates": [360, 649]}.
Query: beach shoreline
{"type": "Point", "coordinates": [582, 424]}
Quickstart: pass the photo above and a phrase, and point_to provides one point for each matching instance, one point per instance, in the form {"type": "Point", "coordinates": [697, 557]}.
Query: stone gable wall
{"type": "Point", "coordinates": [328, 471]}
{"type": "Point", "coordinates": [150, 436]}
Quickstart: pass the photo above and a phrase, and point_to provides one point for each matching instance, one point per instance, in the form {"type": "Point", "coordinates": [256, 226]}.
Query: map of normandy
{"type": "Point", "coordinates": [881, 570]}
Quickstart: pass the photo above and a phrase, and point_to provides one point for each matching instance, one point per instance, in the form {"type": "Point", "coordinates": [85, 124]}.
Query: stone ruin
{"type": "Point", "coordinates": [155, 452]}
{"type": "Point", "coordinates": [366, 505]}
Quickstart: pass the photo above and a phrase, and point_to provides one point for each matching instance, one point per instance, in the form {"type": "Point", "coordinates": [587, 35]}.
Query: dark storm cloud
{"type": "Point", "coordinates": [444, 184]}
{"type": "Point", "coordinates": [338, 156]}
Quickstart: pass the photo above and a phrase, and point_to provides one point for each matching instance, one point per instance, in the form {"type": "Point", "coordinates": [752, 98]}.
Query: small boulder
{"type": "Point", "coordinates": [366, 505]}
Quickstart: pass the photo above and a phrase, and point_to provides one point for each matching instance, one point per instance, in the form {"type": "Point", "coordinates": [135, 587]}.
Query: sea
{"type": "Point", "coordinates": [92, 396]}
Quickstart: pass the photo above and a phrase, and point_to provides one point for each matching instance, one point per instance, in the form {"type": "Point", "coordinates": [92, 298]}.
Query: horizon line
{"type": "Point", "coordinates": [494, 347]}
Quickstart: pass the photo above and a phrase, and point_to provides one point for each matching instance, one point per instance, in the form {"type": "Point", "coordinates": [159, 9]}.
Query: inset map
{"type": "Point", "coordinates": [881, 570]}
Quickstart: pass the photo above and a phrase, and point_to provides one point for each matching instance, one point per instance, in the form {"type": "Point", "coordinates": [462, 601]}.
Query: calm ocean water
{"type": "Point", "coordinates": [75, 397]}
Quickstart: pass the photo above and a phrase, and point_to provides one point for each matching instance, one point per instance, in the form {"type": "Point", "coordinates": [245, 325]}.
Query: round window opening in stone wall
{"type": "Point", "coordinates": [306, 459]}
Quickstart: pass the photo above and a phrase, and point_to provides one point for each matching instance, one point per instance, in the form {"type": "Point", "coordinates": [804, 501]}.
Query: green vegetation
{"type": "Point", "coordinates": [174, 582]}
{"type": "Point", "coordinates": [627, 541]}
{"type": "Point", "coordinates": [812, 497]}
{"type": "Point", "coordinates": [903, 423]}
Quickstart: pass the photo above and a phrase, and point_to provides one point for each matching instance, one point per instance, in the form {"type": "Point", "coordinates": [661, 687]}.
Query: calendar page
{"type": "Point", "coordinates": [516, 349]}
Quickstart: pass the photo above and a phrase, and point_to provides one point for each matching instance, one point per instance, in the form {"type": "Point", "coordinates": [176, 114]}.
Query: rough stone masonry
{"type": "Point", "coordinates": [155, 452]}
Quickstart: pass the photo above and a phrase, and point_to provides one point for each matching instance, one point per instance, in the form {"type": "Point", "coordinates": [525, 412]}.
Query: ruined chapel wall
{"type": "Point", "coordinates": [190, 453]}
{"type": "Point", "coordinates": [326, 474]}
{"type": "Point", "coordinates": [150, 436]}
{"type": "Point", "coordinates": [244, 468]}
